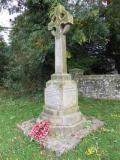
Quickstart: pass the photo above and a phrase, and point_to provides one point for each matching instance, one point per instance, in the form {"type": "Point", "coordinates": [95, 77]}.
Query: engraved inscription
{"type": "Point", "coordinates": [53, 97]}
{"type": "Point", "coordinates": [61, 97]}
{"type": "Point", "coordinates": [70, 96]}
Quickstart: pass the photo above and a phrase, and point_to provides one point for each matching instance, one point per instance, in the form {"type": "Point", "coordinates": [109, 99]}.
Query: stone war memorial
{"type": "Point", "coordinates": [67, 125]}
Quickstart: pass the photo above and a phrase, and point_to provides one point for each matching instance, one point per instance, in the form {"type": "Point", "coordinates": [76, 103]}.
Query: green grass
{"type": "Point", "coordinates": [104, 143]}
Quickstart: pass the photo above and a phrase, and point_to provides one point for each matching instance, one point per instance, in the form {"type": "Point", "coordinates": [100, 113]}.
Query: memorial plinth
{"type": "Point", "coordinates": [61, 106]}
{"type": "Point", "coordinates": [67, 124]}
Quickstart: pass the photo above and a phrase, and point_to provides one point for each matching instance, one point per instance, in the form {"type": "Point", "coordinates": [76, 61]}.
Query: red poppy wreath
{"type": "Point", "coordinates": [40, 130]}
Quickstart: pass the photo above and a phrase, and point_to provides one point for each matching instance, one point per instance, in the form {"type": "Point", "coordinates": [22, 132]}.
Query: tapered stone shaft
{"type": "Point", "coordinates": [60, 53]}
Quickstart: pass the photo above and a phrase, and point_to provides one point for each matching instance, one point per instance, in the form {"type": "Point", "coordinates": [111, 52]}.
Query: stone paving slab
{"type": "Point", "coordinates": [60, 145]}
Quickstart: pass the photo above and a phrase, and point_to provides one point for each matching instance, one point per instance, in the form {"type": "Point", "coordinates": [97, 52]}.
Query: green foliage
{"type": "Point", "coordinates": [3, 60]}
{"type": "Point", "coordinates": [89, 26]}
{"type": "Point", "coordinates": [32, 48]}
{"type": "Point", "coordinates": [32, 45]}
{"type": "Point", "coordinates": [113, 18]}
{"type": "Point", "coordinates": [84, 62]}
{"type": "Point", "coordinates": [113, 14]}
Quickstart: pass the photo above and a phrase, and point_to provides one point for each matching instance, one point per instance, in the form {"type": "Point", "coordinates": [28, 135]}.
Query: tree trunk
{"type": "Point", "coordinates": [117, 63]}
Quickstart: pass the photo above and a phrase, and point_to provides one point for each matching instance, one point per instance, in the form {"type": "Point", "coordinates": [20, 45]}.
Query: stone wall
{"type": "Point", "coordinates": [98, 86]}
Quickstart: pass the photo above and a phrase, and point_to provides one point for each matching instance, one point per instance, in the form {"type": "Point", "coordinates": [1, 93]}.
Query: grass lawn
{"type": "Point", "coordinates": [104, 144]}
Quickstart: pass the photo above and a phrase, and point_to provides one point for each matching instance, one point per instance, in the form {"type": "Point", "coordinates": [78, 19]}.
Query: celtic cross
{"type": "Point", "coordinates": [59, 26]}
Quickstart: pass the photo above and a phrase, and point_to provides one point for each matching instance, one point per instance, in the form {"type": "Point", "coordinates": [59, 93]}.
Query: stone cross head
{"type": "Point", "coordinates": [61, 20]}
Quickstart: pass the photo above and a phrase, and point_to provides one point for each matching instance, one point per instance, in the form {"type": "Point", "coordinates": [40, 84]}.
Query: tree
{"type": "Point", "coordinates": [32, 45]}
{"type": "Point", "coordinates": [113, 46]}
{"type": "Point", "coordinates": [3, 60]}
{"type": "Point", "coordinates": [11, 6]}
